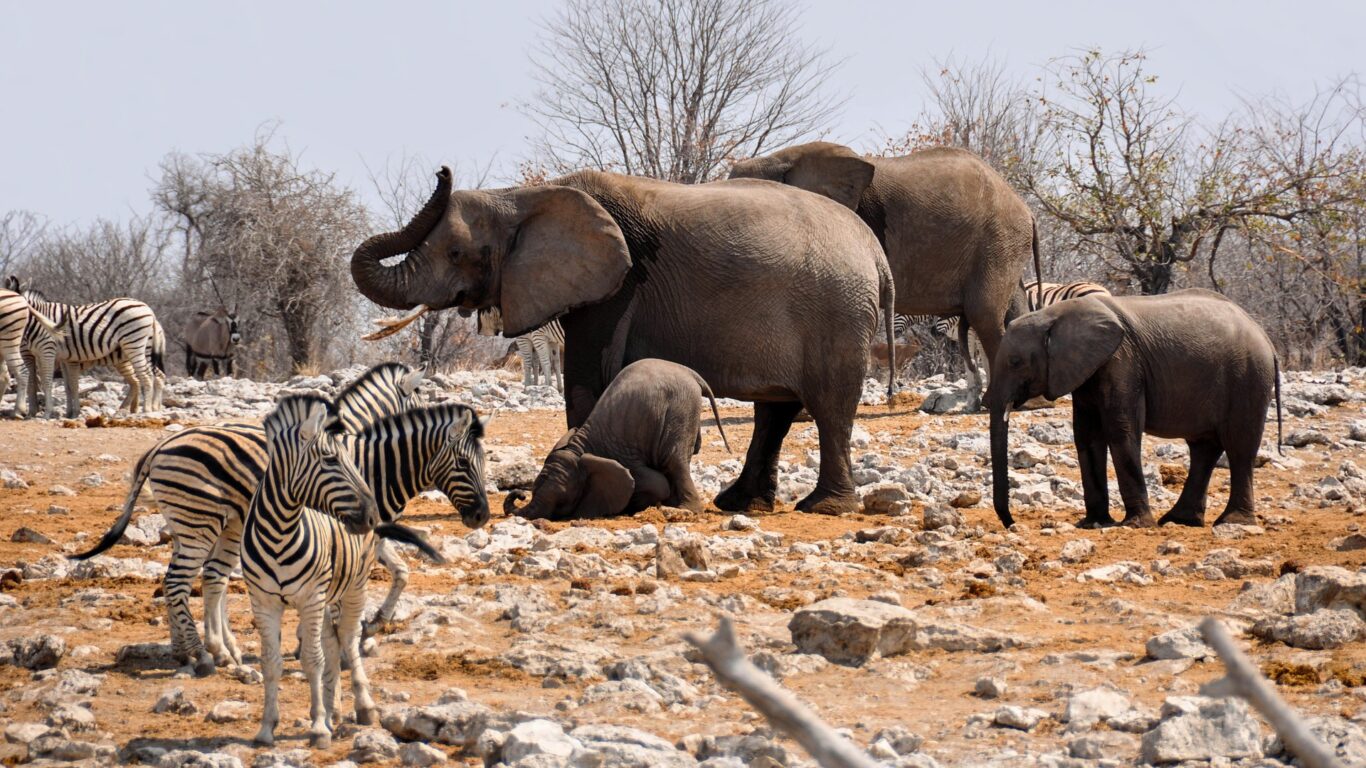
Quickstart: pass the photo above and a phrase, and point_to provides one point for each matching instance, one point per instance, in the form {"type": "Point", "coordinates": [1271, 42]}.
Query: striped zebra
{"type": "Point", "coordinates": [541, 350]}
{"type": "Point", "coordinates": [117, 332]}
{"type": "Point", "coordinates": [13, 319]}
{"type": "Point", "coordinates": [1041, 295]}
{"type": "Point", "coordinates": [204, 477]}
{"type": "Point", "coordinates": [308, 544]}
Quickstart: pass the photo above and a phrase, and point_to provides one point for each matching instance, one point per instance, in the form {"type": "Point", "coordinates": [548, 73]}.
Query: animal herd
{"type": "Point", "coordinates": [772, 286]}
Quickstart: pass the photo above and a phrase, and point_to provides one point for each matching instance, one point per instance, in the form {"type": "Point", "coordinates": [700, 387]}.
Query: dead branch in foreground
{"type": "Point", "coordinates": [1243, 679]}
{"type": "Point", "coordinates": [727, 660]}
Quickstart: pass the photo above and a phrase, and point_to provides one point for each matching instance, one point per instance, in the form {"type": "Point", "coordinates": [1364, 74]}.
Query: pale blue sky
{"type": "Point", "coordinates": [96, 93]}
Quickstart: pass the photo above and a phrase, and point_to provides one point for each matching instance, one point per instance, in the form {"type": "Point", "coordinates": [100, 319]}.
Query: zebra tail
{"type": "Point", "coordinates": [115, 532]}
{"type": "Point", "coordinates": [1038, 271]}
{"type": "Point", "coordinates": [714, 412]}
{"type": "Point", "coordinates": [1279, 425]}
{"type": "Point", "coordinates": [405, 535]}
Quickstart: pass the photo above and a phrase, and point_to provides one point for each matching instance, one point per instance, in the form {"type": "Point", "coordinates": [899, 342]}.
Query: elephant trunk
{"type": "Point", "coordinates": [528, 511]}
{"type": "Point", "coordinates": [1000, 469]}
{"type": "Point", "coordinates": [391, 286]}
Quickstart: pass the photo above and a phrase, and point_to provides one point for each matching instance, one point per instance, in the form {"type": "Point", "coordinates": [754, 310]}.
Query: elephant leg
{"type": "Point", "coordinates": [1240, 509]}
{"type": "Point", "coordinates": [685, 495]}
{"type": "Point", "coordinates": [652, 489]}
{"type": "Point", "coordinates": [834, 493]}
{"type": "Point", "coordinates": [757, 486]}
{"type": "Point", "coordinates": [970, 364]}
{"type": "Point", "coordinates": [1092, 454]}
{"type": "Point", "coordinates": [1125, 440]}
{"type": "Point", "coordinates": [989, 325]}
{"type": "Point", "coordinates": [1190, 507]}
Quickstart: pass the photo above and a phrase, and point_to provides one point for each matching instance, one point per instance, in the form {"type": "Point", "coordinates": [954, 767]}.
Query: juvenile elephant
{"type": "Point", "coordinates": [769, 293]}
{"type": "Point", "coordinates": [633, 452]}
{"type": "Point", "coordinates": [957, 236]}
{"type": "Point", "coordinates": [1189, 364]}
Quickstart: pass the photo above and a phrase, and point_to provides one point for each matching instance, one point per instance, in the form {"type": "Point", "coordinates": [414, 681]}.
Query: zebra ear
{"type": "Point", "coordinates": [314, 423]}
{"type": "Point", "coordinates": [12, 284]}
{"type": "Point", "coordinates": [408, 385]}
{"type": "Point", "coordinates": [460, 425]}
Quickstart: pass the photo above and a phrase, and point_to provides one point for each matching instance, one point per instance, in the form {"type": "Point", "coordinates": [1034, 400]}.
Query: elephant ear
{"type": "Point", "coordinates": [1084, 336]}
{"type": "Point", "coordinates": [567, 252]}
{"type": "Point", "coordinates": [564, 440]}
{"type": "Point", "coordinates": [840, 177]}
{"type": "Point", "coordinates": [607, 487]}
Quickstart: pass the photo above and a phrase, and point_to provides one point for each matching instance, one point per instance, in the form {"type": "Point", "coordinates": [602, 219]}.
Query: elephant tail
{"type": "Point", "coordinates": [706, 389]}
{"type": "Point", "coordinates": [887, 298]}
{"type": "Point", "coordinates": [1279, 425]}
{"type": "Point", "coordinates": [1038, 269]}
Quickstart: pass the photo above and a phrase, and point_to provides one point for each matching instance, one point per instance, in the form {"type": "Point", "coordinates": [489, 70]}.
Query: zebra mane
{"type": "Point", "coordinates": [385, 424]}
{"type": "Point", "coordinates": [291, 411]}
{"type": "Point", "coordinates": [384, 373]}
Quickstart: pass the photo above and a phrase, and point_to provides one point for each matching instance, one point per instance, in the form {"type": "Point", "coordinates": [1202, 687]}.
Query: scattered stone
{"type": "Point", "coordinates": [92, 480]}
{"type": "Point", "coordinates": [1102, 746]}
{"type": "Point", "coordinates": [889, 499]}
{"type": "Point", "coordinates": [1184, 643]}
{"type": "Point", "coordinates": [1299, 438]}
{"type": "Point", "coordinates": [373, 745]}
{"type": "Point", "coordinates": [679, 559]}
{"type": "Point", "coordinates": [230, 711]}
{"type": "Point", "coordinates": [174, 702]}
{"type": "Point", "coordinates": [1087, 708]}
{"type": "Point", "coordinates": [457, 723]}
{"type": "Point", "coordinates": [1323, 629]}
{"type": "Point", "coordinates": [1019, 718]}
{"type": "Point", "coordinates": [71, 717]}
{"type": "Point", "coordinates": [966, 499]}
{"type": "Point", "coordinates": [12, 480]}
{"type": "Point", "coordinates": [40, 651]}
{"type": "Point", "coordinates": [938, 516]}
{"type": "Point", "coordinates": [1200, 728]}
{"type": "Point", "coordinates": [852, 632]}
{"type": "Point", "coordinates": [27, 535]}
{"type": "Point", "coordinates": [538, 737]}
{"type": "Point", "coordinates": [415, 753]}
{"type": "Point", "coordinates": [1228, 563]}
{"type": "Point", "coordinates": [60, 490]}
{"type": "Point", "coordinates": [740, 523]}
{"type": "Point", "coordinates": [1077, 551]}
{"type": "Point", "coordinates": [189, 758]}
{"type": "Point", "coordinates": [23, 733]}
{"type": "Point", "coordinates": [1345, 738]}
{"type": "Point", "coordinates": [990, 687]}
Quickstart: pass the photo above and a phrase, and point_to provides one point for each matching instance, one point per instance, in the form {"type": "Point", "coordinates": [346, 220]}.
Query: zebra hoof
{"type": "Point", "coordinates": [320, 740]}
{"type": "Point", "coordinates": [366, 717]}
{"type": "Point", "coordinates": [205, 666]}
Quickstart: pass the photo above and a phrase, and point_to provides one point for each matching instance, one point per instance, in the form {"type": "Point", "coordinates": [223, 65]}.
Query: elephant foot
{"type": "Point", "coordinates": [1093, 523]}
{"type": "Point", "coordinates": [738, 499]}
{"type": "Point", "coordinates": [1239, 517]}
{"type": "Point", "coordinates": [1184, 517]}
{"type": "Point", "coordinates": [820, 502]}
{"type": "Point", "coordinates": [1144, 520]}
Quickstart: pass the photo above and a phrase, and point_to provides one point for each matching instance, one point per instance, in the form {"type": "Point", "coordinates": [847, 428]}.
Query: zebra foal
{"type": "Point", "coordinates": [202, 479]}
{"type": "Point", "coordinates": [308, 544]}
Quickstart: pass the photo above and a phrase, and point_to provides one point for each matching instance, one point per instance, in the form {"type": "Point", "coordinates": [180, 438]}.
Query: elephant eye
{"type": "Point", "coordinates": [1015, 361]}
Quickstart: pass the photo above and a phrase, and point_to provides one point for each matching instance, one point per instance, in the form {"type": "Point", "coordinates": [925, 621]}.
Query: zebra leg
{"type": "Point", "coordinates": [218, 635]}
{"type": "Point", "coordinates": [398, 580]}
{"type": "Point", "coordinates": [557, 366]}
{"type": "Point", "coordinates": [542, 348]}
{"type": "Point", "coordinates": [311, 617]}
{"type": "Point", "coordinates": [528, 355]}
{"type": "Point", "coordinates": [332, 654]}
{"type": "Point", "coordinates": [71, 379]}
{"type": "Point", "coordinates": [268, 612]}
{"type": "Point", "coordinates": [348, 629]}
{"type": "Point", "coordinates": [187, 557]}
{"type": "Point", "coordinates": [139, 357]}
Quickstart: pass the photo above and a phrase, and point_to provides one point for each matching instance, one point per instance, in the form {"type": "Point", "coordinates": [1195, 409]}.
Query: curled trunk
{"type": "Point", "coordinates": [393, 286]}
{"type": "Point", "coordinates": [528, 511]}
{"type": "Point", "coordinates": [1000, 467]}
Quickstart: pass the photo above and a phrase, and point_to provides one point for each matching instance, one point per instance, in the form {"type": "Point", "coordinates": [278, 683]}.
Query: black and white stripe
{"type": "Point", "coordinates": [13, 319]}
{"type": "Point", "coordinates": [119, 333]}
{"type": "Point", "coordinates": [202, 479]}
{"type": "Point", "coordinates": [541, 350]}
{"type": "Point", "coordinates": [308, 544]}
{"type": "Point", "coordinates": [1040, 295]}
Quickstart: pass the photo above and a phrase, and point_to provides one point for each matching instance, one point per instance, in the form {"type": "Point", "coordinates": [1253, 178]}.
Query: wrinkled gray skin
{"type": "Point", "coordinates": [633, 452]}
{"type": "Point", "coordinates": [769, 293]}
{"type": "Point", "coordinates": [1189, 365]}
{"type": "Point", "coordinates": [957, 237]}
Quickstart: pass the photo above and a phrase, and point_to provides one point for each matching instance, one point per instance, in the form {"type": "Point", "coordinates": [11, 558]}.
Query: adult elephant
{"type": "Point", "coordinates": [770, 293]}
{"type": "Point", "coordinates": [957, 237]}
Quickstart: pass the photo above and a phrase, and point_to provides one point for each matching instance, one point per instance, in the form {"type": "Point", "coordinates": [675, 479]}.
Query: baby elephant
{"type": "Point", "coordinates": [633, 451]}
{"type": "Point", "coordinates": [1189, 364]}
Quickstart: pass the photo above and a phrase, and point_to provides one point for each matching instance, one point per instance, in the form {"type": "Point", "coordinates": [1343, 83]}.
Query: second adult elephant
{"type": "Point", "coordinates": [771, 294]}
{"type": "Point", "coordinates": [957, 237]}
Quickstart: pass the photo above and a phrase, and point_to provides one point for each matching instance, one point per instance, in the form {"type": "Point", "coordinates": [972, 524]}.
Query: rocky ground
{"type": "Point", "coordinates": [919, 628]}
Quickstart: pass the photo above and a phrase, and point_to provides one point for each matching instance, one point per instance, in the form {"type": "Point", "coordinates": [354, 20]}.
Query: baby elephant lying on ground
{"type": "Point", "coordinates": [633, 452]}
{"type": "Point", "coordinates": [1189, 365]}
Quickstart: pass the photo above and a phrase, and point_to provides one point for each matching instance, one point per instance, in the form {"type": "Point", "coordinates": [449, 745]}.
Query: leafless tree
{"type": "Point", "coordinates": [105, 260]}
{"type": "Point", "coordinates": [272, 237]}
{"type": "Point", "coordinates": [20, 231]}
{"type": "Point", "coordinates": [675, 89]}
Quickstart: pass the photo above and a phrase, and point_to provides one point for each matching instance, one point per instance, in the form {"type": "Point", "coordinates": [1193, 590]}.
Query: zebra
{"type": "Point", "coordinates": [401, 455]}
{"type": "Point", "coordinates": [1040, 294]}
{"type": "Point", "coordinates": [14, 318]}
{"type": "Point", "coordinates": [541, 350]}
{"type": "Point", "coordinates": [308, 544]}
{"type": "Point", "coordinates": [117, 332]}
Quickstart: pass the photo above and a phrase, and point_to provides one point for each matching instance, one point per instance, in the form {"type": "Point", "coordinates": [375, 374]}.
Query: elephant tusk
{"type": "Point", "coordinates": [392, 325]}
